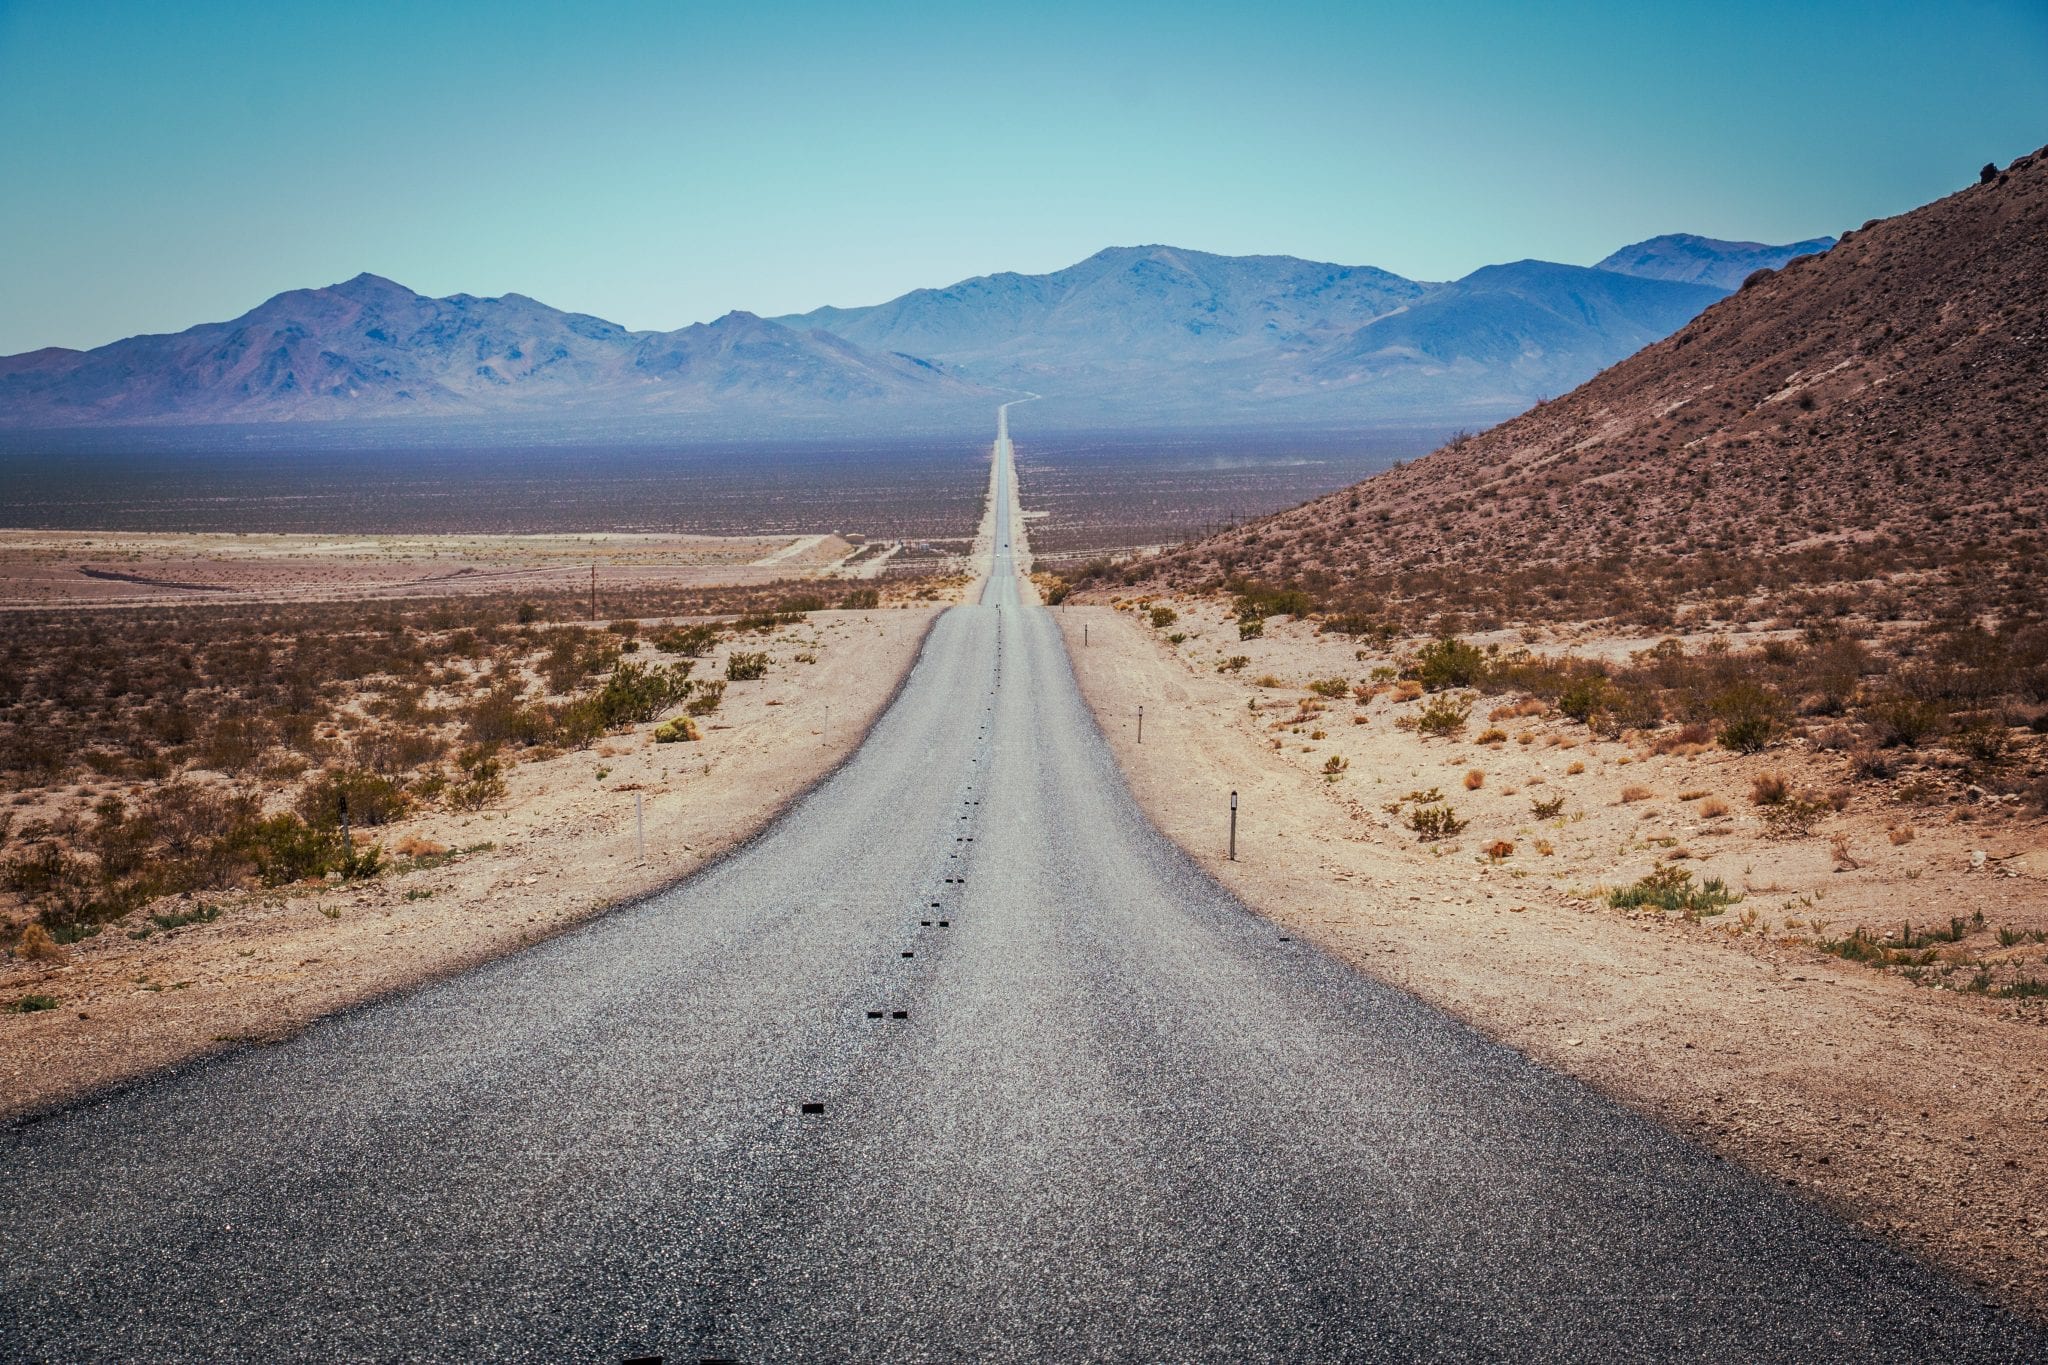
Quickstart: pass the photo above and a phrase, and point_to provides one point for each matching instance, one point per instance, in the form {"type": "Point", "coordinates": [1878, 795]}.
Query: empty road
{"type": "Point", "coordinates": [1076, 1103]}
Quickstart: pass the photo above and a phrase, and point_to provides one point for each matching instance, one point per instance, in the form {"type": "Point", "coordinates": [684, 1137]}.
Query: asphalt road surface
{"type": "Point", "coordinates": [1076, 1103]}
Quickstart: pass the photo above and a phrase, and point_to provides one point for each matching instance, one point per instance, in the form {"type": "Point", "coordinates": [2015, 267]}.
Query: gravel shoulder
{"type": "Point", "coordinates": [560, 848]}
{"type": "Point", "coordinates": [1921, 1114]}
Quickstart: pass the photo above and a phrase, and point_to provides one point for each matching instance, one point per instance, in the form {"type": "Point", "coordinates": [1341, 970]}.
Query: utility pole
{"type": "Point", "coordinates": [593, 592]}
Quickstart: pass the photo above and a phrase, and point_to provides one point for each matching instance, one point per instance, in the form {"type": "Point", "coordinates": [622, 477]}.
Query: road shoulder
{"type": "Point", "coordinates": [1922, 1118]}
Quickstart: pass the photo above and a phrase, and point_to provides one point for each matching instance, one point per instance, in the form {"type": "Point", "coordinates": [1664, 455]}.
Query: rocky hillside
{"type": "Point", "coordinates": [1870, 422]}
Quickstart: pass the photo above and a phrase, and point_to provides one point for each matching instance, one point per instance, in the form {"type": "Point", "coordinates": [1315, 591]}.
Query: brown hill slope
{"type": "Point", "coordinates": [1868, 425]}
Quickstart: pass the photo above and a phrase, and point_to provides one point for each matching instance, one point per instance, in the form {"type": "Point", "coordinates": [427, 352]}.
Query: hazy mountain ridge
{"type": "Point", "coordinates": [371, 348]}
{"type": "Point", "coordinates": [1149, 334]}
{"type": "Point", "coordinates": [1682, 257]}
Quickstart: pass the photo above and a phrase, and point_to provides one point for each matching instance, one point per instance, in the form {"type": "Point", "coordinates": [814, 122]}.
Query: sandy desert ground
{"type": "Point", "coordinates": [562, 845]}
{"type": "Point", "coordinates": [1919, 1110]}
{"type": "Point", "coordinates": [113, 568]}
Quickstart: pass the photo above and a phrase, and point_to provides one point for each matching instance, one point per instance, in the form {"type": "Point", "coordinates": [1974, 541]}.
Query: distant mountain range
{"type": "Point", "coordinates": [1133, 335]}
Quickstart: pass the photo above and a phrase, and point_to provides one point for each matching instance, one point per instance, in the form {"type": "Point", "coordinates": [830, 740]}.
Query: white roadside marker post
{"type": "Point", "coordinates": [1233, 827]}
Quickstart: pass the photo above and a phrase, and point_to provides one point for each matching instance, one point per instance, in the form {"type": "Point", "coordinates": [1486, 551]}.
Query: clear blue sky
{"type": "Point", "coordinates": [168, 163]}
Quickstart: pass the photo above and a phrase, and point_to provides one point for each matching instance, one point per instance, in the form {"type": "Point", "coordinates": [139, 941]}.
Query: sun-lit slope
{"type": "Point", "coordinates": [1882, 404]}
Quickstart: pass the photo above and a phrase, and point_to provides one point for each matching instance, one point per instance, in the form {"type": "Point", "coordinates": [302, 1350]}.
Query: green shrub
{"type": "Point", "coordinates": [1902, 721]}
{"type": "Point", "coordinates": [746, 667]}
{"type": "Point", "coordinates": [692, 642]}
{"type": "Point", "coordinates": [1252, 629]}
{"type": "Point", "coordinates": [285, 848]}
{"type": "Point", "coordinates": [1057, 591]}
{"type": "Point", "coordinates": [1332, 688]}
{"type": "Point", "coordinates": [33, 1004]}
{"type": "Point", "coordinates": [1442, 716]}
{"type": "Point", "coordinates": [636, 693]}
{"type": "Point", "coordinates": [1584, 697]}
{"type": "Point", "coordinates": [1546, 808]}
{"type": "Point", "coordinates": [1750, 717]}
{"type": "Point", "coordinates": [867, 599]}
{"type": "Point", "coordinates": [709, 695]}
{"type": "Point", "coordinates": [1671, 888]}
{"type": "Point", "coordinates": [1234, 664]}
{"type": "Point", "coordinates": [1162, 617]}
{"type": "Point", "coordinates": [178, 919]}
{"type": "Point", "coordinates": [1449, 662]}
{"type": "Point", "coordinates": [1435, 822]}
{"type": "Point", "coordinates": [373, 799]}
{"type": "Point", "coordinates": [483, 782]}
{"type": "Point", "coordinates": [679, 730]}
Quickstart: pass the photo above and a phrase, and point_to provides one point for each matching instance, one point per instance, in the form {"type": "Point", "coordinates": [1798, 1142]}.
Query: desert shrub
{"type": "Point", "coordinates": [373, 799]}
{"type": "Point", "coordinates": [1794, 817]}
{"type": "Point", "coordinates": [635, 693]}
{"type": "Point", "coordinates": [503, 716]}
{"type": "Point", "coordinates": [1899, 721]}
{"type": "Point", "coordinates": [360, 864]}
{"type": "Point", "coordinates": [1449, 662]}
{"type": "Point", "coordinates": [1162, 617]}
{"type": "Point", "coordinates": [682, 729]}
{"type": "Point", "coordinates": [1234, 664]}
{"type": "Point", "coordinates": [709, 695]}
{"type": "Point", "coordinates": [800, 604]}
{"type": "Point", "coordinates": [1252, 629]}
{"type": "Point", "coordinates": [1769, 789]}
{"type": "Point", "coordinates": [1671, 888]}
{"type": "Point", "coordinates": [1584, 697]}
{"type": "Point", "coordinates": [1332, 688]}
{"type": "Point", "coordinates": [482, 781]}
{"type": "Point", "coordinates": [574, 654]}
{"type": "Point", "coordinates": [1986, 741]}
{"type": "Point", "coordinates": [1434, 822]}
{"type": "Point", "coordinates": [33, 1003]}
{"type": "Point", "coordinates": [1632, 794]}
{"type": "Point", "coordinates": [1500, 850]}
{"type": "Point", "coordinates": [692, 642]}
{"type": "Point", "coordinates": [1057, 590]}
{"type": "Point", "coordinates": [285, 848]}
{"type": "Point", "coordinates": [746, 667]}
{"type": "Point", "coordinates": [1257, 600]}
{"type": "Point", "coordinates": [1442, 716]}
{"type": "Point", "coordinates": [1546, 808]}
{"type": "Point", "coordinates": [36, 945]}
{"type": "Point", "coordinates": [1750, 717]}
{"type": "Point", "coordinates": [1474, 779]}
{"type": "Point", "coordinates": [233, 744]}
